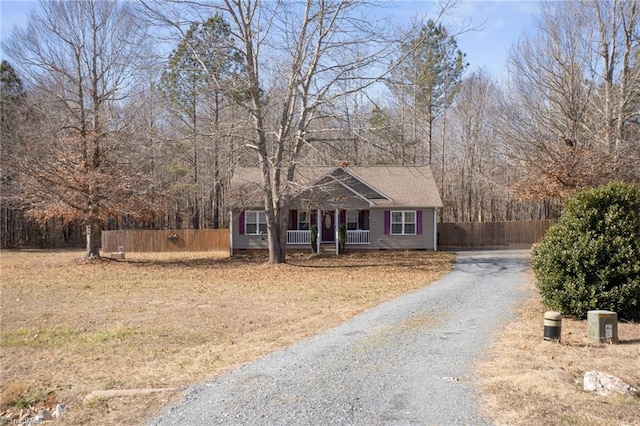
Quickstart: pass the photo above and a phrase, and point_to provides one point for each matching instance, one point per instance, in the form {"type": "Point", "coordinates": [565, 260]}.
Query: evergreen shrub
{"type": "Point", "coordinates": [590, 259]}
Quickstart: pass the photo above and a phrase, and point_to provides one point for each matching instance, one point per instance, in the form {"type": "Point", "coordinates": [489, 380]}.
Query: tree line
{"type": "Point", "coordinates": [102, 128]}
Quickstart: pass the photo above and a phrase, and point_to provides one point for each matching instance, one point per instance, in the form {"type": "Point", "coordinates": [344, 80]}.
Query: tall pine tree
{"type": "Point", "coordinates": [428, 76]}
{"type": "Point", "coordinates": [202, 72]}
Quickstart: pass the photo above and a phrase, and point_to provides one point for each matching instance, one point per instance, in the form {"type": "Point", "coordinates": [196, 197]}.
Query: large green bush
{"type": "Point", "coordinates": [590, 259]}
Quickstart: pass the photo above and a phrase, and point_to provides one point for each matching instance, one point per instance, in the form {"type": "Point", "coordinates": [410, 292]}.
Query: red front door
{"type": "Point", "coordinates": [328, 227]}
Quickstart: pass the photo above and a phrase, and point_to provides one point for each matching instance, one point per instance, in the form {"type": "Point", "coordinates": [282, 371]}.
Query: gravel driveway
{"type": "Point", "coordinates": [407, 361]}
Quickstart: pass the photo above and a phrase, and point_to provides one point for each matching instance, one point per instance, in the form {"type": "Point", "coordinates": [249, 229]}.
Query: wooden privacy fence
{"type": "Point", "coordinates": [492, 234]}
{"type": "Point", "coordinates": [471, 234]}
{"type": "Point", "coordinates": [134, 240]}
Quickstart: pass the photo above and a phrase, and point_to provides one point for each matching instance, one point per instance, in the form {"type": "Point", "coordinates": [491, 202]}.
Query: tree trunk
{"type": "Point", "coordinates": [215, 209]}
{"type": "Point", "coordinates": [215, 205]}
{"type": "Point", "coordinates": [277, 237]}
{"type": "Point", "coordinates": [93, 233]}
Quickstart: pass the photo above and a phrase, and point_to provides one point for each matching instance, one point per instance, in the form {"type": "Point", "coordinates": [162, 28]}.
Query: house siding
{"type": "Point", "coordinates": [380, 240]}
{"type": "Point", "coordinates": [245, 242]}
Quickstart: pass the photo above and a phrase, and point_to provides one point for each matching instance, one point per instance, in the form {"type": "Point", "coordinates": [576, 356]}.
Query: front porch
{"type": "Point", "coordinates": [328, 222]}
{"type": "Point", "coordinates": [357, 237]}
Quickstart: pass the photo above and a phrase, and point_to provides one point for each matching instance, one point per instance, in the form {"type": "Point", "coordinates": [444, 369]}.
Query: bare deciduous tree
{"type": "Point", "coordinates": [80, 59]}
{"type": "Point", "coordinates": [314, 42]}
{"type": "Point", "coordinates": [574, 97]}
{"type": "Point", "coordinates": [298, 61]}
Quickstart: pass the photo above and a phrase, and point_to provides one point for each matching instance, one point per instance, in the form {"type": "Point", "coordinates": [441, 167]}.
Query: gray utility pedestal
{"type": "Point", "coordinates": [602, 326]}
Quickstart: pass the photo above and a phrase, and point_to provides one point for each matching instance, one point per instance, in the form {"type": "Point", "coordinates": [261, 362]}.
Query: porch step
{"type": "Point", "coordinates": [327, 248]}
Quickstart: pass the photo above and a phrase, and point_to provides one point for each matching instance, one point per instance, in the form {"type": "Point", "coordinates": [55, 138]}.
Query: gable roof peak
{"type": "Point", "coordinates": [400, 186]}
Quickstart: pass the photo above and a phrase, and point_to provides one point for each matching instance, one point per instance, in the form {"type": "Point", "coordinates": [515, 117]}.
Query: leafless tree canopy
{"type": "Point", "coordinates": [79, 61]}
{"type": "Point", "coordinates": [138, 113]}
{"type": "Point", "coordinates": [572, 118]}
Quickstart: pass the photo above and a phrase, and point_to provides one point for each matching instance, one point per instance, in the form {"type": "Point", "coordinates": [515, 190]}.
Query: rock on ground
{"type": "Point", "coordinates": [606, 385]}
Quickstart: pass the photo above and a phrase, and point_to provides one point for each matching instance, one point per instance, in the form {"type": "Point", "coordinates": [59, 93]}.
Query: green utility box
{"type": "Point", "coordinates": [602, 326]}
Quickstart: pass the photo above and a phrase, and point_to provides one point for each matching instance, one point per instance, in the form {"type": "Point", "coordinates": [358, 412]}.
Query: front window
{"type": "Point", "coordinates": [303, 221]}
{"type": "Point", "coordinates": [352, 220]}
{"type": "Point", "coordinates": [403, 222]}
{"type": "Point", "coordinates": [255, 222]}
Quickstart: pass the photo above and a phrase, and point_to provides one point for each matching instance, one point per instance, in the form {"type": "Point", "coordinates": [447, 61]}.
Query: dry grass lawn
{"type": "Point", "coordinates": [528, 381]}
{"type": "Point", "coordinates": [69, 327]}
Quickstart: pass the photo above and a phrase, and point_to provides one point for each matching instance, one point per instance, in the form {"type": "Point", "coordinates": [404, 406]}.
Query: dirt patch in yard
{"type": "Point", "coordinates": [69, 327]}
{"type": "Point", "coordinates": [528, 381]}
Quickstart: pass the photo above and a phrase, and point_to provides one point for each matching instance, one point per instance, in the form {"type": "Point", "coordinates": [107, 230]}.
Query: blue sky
{"type": "Point", "coordinates": [503, 22]}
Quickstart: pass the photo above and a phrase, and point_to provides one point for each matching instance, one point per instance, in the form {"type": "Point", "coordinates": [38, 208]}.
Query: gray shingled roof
{"type": "Point", "coordinates": [403, 186]}
{"type": "Point", "coordinates": [407, 186]}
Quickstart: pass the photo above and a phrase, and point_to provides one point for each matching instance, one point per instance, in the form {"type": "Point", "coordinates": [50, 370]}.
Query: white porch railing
{"type": "Point", "coordinates": [298, 237]}
{"type": "Point", "coordinates": [304, 237]}
{"type": "Point", "coordinates": [357, 237]}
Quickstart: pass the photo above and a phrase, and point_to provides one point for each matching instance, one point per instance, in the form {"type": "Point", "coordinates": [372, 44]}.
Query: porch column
{"type": "Point", "coordinates": [231, 232]}
{"type": "Point", "coordinates": [319, 239]}
{"type": "Point", "coordinates": [336, 227]}
{"type": "Point", "coordinates": [435, 229]}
